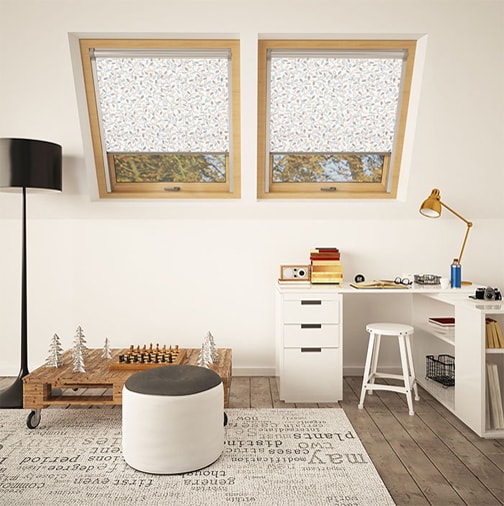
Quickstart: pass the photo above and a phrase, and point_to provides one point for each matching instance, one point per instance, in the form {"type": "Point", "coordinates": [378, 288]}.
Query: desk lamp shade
{"type": "Point", "coordinates": [431, 207]}
{"type": "Point", "coordinates": [26, 164]}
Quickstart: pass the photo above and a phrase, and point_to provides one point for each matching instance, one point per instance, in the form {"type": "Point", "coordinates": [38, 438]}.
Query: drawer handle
{"type": "Point", "coordinates": [311, 325]}
{"type": "Point", "coordinates": [311, 302]}
{"type": "Point", "coordinates": [311, 350]}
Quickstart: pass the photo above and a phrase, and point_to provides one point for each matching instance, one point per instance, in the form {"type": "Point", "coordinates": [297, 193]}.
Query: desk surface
{"type": "Point", "coordinates": [346, 288]}
{"type": "Point", "coordinates": [449, 295]}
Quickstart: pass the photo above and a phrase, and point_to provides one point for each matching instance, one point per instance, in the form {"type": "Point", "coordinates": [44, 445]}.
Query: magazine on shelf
{"type": "Point", "coordinates": [495, 397]}
{"type": "Point", "coordinates": [443, 326]}
{"type": "Point", "coordinates": [442, 321]}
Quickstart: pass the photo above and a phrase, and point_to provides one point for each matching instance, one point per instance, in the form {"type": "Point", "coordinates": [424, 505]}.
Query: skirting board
{"type": "Point", "coordinates": [254, 371]}
{"type": "Point", "coordinates": [270, 371]}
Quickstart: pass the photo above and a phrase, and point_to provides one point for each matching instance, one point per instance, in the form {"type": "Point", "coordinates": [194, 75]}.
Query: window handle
{"type": "Point", "coordinates": [174, 189]}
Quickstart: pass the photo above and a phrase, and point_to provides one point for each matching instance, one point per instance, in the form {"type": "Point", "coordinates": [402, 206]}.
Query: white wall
{"type": "Point", "coordinates": [168, 272]}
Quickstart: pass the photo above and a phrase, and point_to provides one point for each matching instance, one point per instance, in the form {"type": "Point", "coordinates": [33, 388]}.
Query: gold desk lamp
{"type": "Point", "coordinates": [431, 208]}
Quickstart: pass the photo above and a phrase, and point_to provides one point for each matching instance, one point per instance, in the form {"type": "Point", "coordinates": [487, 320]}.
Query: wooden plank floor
{"type": "Point", "coordinates": [428, 459]}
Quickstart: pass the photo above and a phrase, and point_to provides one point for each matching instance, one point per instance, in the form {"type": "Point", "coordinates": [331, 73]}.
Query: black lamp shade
{"type": "Point", "coordinates": [26, 163]}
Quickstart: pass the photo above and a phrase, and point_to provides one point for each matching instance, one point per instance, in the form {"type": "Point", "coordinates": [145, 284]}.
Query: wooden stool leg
{"type": "Point", "coordinates": [406, 375]}
{"type": "Point", "coordinates": [367, 367]}
{"type": "Point", "coordinates": [411, 367]}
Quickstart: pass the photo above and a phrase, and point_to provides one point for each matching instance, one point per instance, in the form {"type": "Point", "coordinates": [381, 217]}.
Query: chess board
{"type": "Point", "coordinates": [138, 358]}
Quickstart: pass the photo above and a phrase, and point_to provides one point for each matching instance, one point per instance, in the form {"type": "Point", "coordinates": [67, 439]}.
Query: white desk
{"type": "Point", "coordinates": [313, 325]}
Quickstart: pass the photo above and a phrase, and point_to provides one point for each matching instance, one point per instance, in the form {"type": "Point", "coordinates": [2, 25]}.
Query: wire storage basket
{"type": "Point", "coordinates": [441, 369]}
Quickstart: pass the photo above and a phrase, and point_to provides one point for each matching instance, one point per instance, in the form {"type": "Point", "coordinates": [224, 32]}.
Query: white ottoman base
{"type": "Point", "coordinates": [164, 434]}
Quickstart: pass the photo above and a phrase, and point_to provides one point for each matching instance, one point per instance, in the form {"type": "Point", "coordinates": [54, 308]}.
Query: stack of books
{"type": "Point", "coordinates": [444, 325]}
{"type": "Point", "coordinates": [493, 334]}
{"type": "Point", "coordinates": [326, 266]}
{"type": "Point", "coordinates": [495, 397]}
{"type": "Point", "coordinates": [494, 339]}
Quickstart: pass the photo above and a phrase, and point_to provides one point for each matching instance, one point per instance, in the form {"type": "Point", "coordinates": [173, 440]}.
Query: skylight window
{"type": "Point", "coordinates": [164, 116]}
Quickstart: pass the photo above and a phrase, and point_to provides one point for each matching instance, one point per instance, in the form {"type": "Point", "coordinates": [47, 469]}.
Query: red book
{"type": "Point", "coordinates": [443, 321]}
{"type": "Point", "coordinates": [327, 250]}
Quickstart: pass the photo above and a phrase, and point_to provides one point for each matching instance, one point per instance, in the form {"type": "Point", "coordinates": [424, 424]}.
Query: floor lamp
{"type": "Point", "coordinates": [26, 164]}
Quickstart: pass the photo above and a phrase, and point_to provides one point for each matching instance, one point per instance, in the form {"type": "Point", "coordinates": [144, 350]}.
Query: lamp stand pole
{"type": "Point", "coordinates": [12, 397]}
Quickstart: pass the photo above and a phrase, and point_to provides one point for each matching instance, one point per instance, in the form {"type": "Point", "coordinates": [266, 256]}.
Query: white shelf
{"type": "Point", "coordinates": [445, 395]}
{"type": "Point", "coordinates": [495, 351]}
{"type": "Point", "coordinates": [494, 433]}
{"type": "Point", "coordinates": [468, 398]}
{"type": "Point", "coordinates": [447, 338]}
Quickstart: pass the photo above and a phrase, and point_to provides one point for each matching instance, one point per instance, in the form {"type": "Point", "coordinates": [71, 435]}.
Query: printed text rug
{"type": "Point", "coordinates": [271, 457]}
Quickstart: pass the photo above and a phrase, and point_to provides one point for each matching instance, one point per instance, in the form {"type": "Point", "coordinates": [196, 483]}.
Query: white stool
{"type": "Point", "coordinates": [173, 419]}
{"type": "Point", "coordinates": [402, 333]}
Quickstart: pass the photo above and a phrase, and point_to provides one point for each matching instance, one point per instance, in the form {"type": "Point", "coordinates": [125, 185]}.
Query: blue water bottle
{"type": "Point", "coordinates": [456, 274]}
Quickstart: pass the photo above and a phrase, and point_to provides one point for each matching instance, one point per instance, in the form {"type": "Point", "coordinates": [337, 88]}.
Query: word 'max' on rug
{"type": "Point", "coordinates": [271, 457]}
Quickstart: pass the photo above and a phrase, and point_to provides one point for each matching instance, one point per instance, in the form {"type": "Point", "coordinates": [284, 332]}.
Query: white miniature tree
{"type": "Point", "coordinates": [213, 348]}
{"type": "Point", "coordinates": [79, 351]}
{"type": "Point", "coordinates": [55, 353]}
{"type": "Point", "coordinates": [106, 349]}
{"type": "Point", "coordinates": [205, 356]}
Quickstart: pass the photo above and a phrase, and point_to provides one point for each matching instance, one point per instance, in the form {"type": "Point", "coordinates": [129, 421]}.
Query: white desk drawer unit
{"type": "Point", "coordinates": [310, 375]}
{"type": "Point", "coordinates": [299, 335]}
{"type": "Point", "coordinates": [311, 310]}
{"type": "Point", "coordinates": [310, 366]}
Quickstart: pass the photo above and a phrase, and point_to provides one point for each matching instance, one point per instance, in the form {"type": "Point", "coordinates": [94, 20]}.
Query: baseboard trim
{"type": "Point", "coordinates": [270, 371]}
{"type": "Point", "coordinates": [254, 371]}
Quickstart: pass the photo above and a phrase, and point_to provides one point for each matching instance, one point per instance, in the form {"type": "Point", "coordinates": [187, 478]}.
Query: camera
{"type": "Point", "coordinates": [488, 293]}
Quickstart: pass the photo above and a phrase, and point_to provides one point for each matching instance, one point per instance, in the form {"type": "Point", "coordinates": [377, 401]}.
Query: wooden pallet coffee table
{"type": "Point", "coordinates": [59, 386]}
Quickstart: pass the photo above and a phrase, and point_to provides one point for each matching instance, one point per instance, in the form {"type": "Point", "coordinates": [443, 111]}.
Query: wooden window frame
{"type": "Point", "coordinates": [267, 189]}
{"type": "Point", "coordinates": [107, 186]}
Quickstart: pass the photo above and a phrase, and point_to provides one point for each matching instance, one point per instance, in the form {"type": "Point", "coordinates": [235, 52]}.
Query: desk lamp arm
{"type": "Point", "coordinates": [467, 222]}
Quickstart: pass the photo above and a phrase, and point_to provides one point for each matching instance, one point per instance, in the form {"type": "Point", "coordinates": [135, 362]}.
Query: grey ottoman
{"type": "Point", "coordinates": [172, 419]}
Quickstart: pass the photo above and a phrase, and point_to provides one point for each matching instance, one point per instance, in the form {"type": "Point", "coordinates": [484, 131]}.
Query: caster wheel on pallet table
{"type": "Point", "coordinates": [33, 419]}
